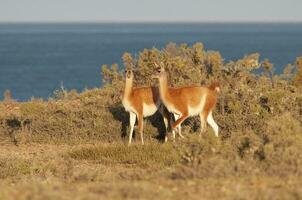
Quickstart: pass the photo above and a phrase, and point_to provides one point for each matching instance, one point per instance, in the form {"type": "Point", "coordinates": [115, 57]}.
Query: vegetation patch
{"type": "Point", "coordinates": [153, 154]}
{"type": "Point", "coordinates": [10, 167]}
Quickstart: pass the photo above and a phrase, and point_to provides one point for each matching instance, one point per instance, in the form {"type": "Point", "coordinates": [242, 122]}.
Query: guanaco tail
{"type": "Point", "coordinates": [142, 102]}
{"type": "Point", "coordinates": [188, 101]}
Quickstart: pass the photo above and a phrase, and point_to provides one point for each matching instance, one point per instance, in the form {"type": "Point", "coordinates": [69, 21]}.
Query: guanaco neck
{"type": "Point", "coordinates": [164, 88]}
{"type": "Point", "coordinates": [128, 87]}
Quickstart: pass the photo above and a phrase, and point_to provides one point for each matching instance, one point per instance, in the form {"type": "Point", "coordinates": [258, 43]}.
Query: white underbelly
{"type": "Point", "coordinates": [196, 110]}
{"type": "Point", "coordinates": [128, 106]}
{"type": "Point", "coordinates": [171, 108]}
{"type": "Point", "coordinates": [149, 109]}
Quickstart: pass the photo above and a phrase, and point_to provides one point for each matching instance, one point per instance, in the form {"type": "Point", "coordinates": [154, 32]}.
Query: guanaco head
{"type": "Point", "coordinates": [129, 73]}
{"type": "Point", "coordinates": [159, 71]}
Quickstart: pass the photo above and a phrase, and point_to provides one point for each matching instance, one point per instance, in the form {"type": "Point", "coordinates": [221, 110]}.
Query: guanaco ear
{"type": "Point", "coordinates": [156, 65]}
{"type": "Point", "coordinates": [131, 66]}
{"type": "Point", "coordinates": [162, 66]}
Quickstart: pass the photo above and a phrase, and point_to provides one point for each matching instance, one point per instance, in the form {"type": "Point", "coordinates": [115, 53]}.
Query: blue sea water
{"type": "Point", "coordinates": [35, 59]}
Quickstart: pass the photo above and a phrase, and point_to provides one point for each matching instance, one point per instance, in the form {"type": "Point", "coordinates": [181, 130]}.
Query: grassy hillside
{"type": "Point", "coordinates": [74, 144]}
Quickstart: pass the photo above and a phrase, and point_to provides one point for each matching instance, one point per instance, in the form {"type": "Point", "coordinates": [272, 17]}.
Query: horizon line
{"type": "Point", "coordinates": [148, 22]}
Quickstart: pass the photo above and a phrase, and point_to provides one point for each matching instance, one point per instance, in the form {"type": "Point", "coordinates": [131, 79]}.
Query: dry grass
{"type": "Point", "coordinates": [147, 155]}
{"type": "Point", "coordinates": [93, 172]}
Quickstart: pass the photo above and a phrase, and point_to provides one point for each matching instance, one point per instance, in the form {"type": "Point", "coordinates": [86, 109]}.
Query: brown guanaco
{"type": "Point", "coordinates": [188, 101]}
{"type": "Point", "coordinates": [142, 102]}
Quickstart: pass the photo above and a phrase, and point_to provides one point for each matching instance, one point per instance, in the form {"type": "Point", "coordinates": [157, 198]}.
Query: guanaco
{"type": "Point", "coordinates": [142, 102]}
{"type": "Point", "coordinates": [188, 101]}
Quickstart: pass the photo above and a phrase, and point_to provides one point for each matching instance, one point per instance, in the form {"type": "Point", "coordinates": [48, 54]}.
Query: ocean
{"type": "Point", "coordinates": [36, 59]}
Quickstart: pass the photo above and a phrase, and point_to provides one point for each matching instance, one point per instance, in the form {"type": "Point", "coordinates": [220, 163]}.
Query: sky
{"type": "Point", "coordinates": [150, 10]}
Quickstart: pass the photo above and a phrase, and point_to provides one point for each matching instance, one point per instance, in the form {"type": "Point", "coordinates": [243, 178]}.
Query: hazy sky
{"type": "Point", "coordinates": [150, 10]}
